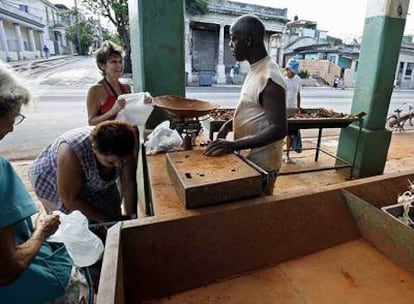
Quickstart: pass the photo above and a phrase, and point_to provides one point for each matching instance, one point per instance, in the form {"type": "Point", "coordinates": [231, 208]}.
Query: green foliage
{"type": "Point", "coordinates": [117, 13]}
{"type": "Point", "coordinates": [304, 74]}
{"type": "Point", "coordinates": [115, 10]}
{"type": "Point", "coordinates": [114, 37]}
{"type": "Point", "coordinates": [196, 7]}
{"type": "Point", "coordinates": [86, 35]}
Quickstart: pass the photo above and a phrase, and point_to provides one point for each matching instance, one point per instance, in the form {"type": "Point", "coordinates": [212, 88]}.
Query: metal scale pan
{"type": "Point", "coordinates": [184, 115]}
{"type": "Point", "coordinates": [183, 108]}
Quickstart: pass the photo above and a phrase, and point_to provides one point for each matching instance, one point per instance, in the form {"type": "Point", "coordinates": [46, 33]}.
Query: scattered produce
{"type": "Point", "coordinates": [319, 113]}
{"type": "Point", "coordinates": [226, 114]}
{"type": "Point", "coordinates": [222, 114]}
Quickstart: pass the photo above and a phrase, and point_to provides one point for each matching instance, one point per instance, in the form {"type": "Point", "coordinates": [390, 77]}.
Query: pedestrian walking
{"type": "Point", "coordinates": [293, 99]}
{"type": "Point", "coordinates": [46, 51]}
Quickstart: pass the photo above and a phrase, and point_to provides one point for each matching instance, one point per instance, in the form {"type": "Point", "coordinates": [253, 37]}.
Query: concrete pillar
{"type": "Point", "coordinates": [404, 70]}
{"type": "Point", "coordinates": [20, 45]}
{"type": "Point", "coordinates": [188, 50]}
{"type": "Point", "coordinates": [157, 48]}
{"type": "Point", "coordinates": [281, 52]}
{"type": "Point", "coordinates": [221, 70]}
{"type": "Point", "coordinates": [32, 41]}
{"type": "Point", "coordinates": [380, 48]}
{"type": "Point", "coordinates": [42, 43]}
{"type": "Point", "coordinates": [3, 39]}
{"type": "Point", "coordinates": [269, 45]}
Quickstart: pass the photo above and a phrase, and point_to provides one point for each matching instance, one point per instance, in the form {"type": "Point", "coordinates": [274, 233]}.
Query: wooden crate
{"type": "Point", "coordinates": [202, 180]}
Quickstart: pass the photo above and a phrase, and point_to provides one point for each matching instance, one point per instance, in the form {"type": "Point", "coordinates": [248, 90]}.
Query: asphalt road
{"type": "Point", "coordinates": [60, 104]}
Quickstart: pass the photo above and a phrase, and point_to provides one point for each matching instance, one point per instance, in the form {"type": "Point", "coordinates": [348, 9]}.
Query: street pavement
{"type": "Point", "coordinates": [59, 104]}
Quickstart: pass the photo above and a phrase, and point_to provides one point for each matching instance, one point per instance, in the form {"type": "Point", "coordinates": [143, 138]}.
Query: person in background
{"type": "Point", "coordinates": [259, 123]}
{"type": "Point", "coordinates": [46, 51]}
{"type": "Point", "coordinates": [293, 98]}
{"type": "Point", "coordinates": [80, 169]}
{"type": "Point", "coordinates": [31, 269]}
{"type": "Point", "coordinates": [102, 99]}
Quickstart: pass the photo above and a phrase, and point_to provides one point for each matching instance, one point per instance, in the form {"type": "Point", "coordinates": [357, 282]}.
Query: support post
{"type": "Point", "coordinates": [3, 40]}
{"type": "Point", "coordinates": [20, 45]}
{"type": "Point", "coordinates": [221, 70]}
{"type": "Point", "coordinates": [188, 51]}
{"type": "Point", "coordinates": [157, 48]}
{"type": "Point", "coordinates": [381, 42]}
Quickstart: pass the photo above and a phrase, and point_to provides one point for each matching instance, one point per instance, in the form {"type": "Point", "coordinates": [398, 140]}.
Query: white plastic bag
{"type": "Point", "coordinates": [137, 109]}
{"type": "Point", "coordinates": [163, 139]}
{"type": "Point", "coordinates": [83, 246]}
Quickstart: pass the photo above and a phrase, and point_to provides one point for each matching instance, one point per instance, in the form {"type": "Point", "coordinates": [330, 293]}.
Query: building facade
{"type": "Point", "coordinates": [26, 27]}
{"type": "Point", "coordinates": [207, 51]}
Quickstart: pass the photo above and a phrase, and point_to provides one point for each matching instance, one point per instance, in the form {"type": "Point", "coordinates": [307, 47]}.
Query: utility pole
{"type": "Point", "coordinates": [77, 27]}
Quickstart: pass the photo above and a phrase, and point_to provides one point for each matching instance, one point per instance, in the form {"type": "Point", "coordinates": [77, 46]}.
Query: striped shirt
{"type": "Point", "coordinates": [100, 193]}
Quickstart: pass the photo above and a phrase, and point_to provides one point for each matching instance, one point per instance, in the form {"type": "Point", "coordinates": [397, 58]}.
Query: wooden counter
{"type": "Point", "coordinates": [163, 195]}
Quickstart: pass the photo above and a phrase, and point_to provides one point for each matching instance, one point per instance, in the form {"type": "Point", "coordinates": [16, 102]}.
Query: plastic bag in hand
{"type": "Point", "coordinates": [163, 139]}
{"type": "Point", "coordinates": [137, 109]}
{"type": "Point", "coordinates": [83, 246]}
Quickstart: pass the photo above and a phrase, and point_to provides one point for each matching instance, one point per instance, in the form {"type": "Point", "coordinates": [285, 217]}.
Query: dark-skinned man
{"type": "Point", "coordinates": [259, 123]}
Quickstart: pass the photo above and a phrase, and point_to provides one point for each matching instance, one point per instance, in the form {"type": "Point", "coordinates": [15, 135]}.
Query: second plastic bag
{"type": "Point", "coordinates": [83, 246]}
{"type": "Point", "coordinates": [163, 139]}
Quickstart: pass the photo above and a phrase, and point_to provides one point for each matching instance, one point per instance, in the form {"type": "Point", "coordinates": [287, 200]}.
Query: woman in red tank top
{"type": "Point", "coordinates": [102, 103]}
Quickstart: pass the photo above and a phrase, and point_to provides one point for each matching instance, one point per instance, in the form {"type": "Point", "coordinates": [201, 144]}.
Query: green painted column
{"type": "Point", "coordinates": [157, 49]}
{"type": "Point", "coordinates": [381, 42]}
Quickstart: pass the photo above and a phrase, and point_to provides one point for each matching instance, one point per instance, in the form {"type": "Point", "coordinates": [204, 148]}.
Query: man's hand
{"type": "Point", "coordinates": [219, 147]}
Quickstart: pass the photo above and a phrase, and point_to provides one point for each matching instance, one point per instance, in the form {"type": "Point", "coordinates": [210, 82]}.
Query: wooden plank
{"type": "Point", "coordinates": [389, 235]}
{"type": "Point", "coordinates": [200, 180]}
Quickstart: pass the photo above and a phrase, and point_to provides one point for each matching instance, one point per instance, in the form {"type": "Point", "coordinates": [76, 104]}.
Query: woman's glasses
{"type": "Point", "coordinates": [18, 119]}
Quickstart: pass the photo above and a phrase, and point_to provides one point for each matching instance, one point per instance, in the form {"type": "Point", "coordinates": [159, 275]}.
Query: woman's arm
{"type": "Point", "coordinates": [14, 259]}
{"type": "Point", "coordinates": [96, 94]}
{"type": "Point", "coordinates": [70, 183]}
{"type": "Point", "coordinates": [129, 185]}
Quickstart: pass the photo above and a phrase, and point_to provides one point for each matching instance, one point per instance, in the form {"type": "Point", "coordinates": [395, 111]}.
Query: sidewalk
{"type": "Point", "coordinates": [399, 159]}
{"type": "Point", "coordinates": [32, 66]}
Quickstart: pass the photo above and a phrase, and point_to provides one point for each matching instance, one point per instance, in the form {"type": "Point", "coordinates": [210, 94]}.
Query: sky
{"type": "Point", "coordinates": [342, 19]}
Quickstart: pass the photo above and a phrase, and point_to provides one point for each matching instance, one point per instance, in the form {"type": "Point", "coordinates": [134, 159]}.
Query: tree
{"type": "Point", "coordinates": [80, 32]}
{"type": "Point", "coordinates": [117, 12]}
{"type": "Point", "coordinates": [196, 7]}
{"type": "Point", "coordinates": [114, 37]}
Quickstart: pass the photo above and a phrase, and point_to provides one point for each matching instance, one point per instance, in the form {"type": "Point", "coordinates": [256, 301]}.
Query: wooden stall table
{"type": "Point", "coordinates": [236, 181]}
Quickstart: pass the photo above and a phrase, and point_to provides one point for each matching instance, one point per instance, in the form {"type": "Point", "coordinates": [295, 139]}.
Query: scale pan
{"type": "Point", "coordinates": [181, 107]}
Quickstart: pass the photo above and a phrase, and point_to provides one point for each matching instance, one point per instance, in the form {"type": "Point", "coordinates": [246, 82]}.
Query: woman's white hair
{"type": "Point", "coordinates": [13, 93]}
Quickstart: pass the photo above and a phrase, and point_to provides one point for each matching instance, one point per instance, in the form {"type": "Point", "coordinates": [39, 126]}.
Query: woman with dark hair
{"type": "Point", "coordinates": [31, 269]}
{"type": "Point", "coordinates": [102, 101]}
{"type": "Point", "coordinates": [79, 171]}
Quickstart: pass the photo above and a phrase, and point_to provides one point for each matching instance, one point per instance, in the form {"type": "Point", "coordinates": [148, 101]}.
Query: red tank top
{"type": "Point", "coordinates": [110, 100]}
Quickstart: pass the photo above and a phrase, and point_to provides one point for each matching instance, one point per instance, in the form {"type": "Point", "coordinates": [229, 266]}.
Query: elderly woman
{"type": "Point", "coordinates": [31, 270]}
{"type": "Point", "coordinates": [102, 100]}
{"type": "Point", "coordinates": [80, 169]}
